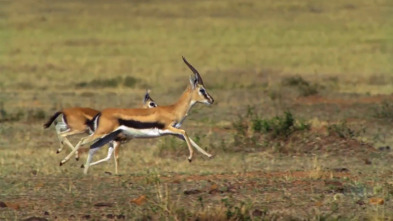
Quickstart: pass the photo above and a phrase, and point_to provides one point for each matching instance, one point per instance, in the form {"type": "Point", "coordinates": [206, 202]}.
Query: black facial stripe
{"type": "Point", "coordinates": [141, 125]}
{"type": "Point", "coordinates": [203, 92]}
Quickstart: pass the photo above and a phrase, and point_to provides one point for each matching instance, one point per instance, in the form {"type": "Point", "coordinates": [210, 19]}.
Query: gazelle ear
{"type": "Point", "coordinates": [193, 81]}
{"type": "Point", "coordinates": [147, 96]}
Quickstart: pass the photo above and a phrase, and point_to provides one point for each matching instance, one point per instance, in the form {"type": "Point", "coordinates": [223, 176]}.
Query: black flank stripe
{"type": "Point", "coordinates": [141, 125]}
{"type": "Point", "coordinates": [106, 139]}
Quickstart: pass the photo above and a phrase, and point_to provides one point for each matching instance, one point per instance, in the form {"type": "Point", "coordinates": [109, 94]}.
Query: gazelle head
{"type": "Point", "coordinates": [148, 102]}
{"type": "Point", "coordinates": [199, 93]}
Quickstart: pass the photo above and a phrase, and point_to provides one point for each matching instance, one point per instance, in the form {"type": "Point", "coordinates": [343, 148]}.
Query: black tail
{"type": "Point", "coordinates": [106, 139]}
{"type": "Point", "coordinates": [51, 119]}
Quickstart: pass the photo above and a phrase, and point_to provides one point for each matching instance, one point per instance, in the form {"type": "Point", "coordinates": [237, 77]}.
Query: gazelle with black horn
{"type": "Point", "coordinates": [147, 123]}
{"type": "Point", "coordinates": [148, 102]}
{"type": "Point", "coordinates": [114, 148]}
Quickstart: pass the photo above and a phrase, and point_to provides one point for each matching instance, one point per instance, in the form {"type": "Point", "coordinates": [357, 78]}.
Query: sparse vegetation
{"type": "Point", "coordinates": [268, 164]}
{"type": "Point", "coordinates": [304, 87]}
{"type": "Point", "coordinates": [251, 129]}
{"type": "Point", "coordinates": [384, 110]}
{"type": "Point", "coordinates": [110, 82]}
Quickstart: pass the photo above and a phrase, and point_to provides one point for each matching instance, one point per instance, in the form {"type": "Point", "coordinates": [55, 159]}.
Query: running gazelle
{"type": "Point", "coordinates": [78, 120]}
{"type": "Point", "coordinates": [146, 123]}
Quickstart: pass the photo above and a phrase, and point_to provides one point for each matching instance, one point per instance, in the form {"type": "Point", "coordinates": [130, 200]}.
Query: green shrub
{"type": "Point", "coordinates": [252, 131]}
{"type": "Point", "coordinates": [341, 129]}
{"type": "Point", "coordinates": [278, 126]}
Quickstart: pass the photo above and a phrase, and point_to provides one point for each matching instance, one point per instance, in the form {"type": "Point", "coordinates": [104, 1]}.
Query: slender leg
{"type": "Point", "coordinates": [64, 136]}
{"type": "Point", "coordinates": [176, 132]}
{"type": "Point", "coordinates": [110, 151]}
{"type": "Point", "coordinates": [198, 148]}
{"type": "Point", "coordinates": [116, 145]}
{"type": "Point", "coordinates": [59, 127]}
{"type": "Point", "coordinates": [89, 158]}
{"type": "Point", "coordinates": [82, 142]}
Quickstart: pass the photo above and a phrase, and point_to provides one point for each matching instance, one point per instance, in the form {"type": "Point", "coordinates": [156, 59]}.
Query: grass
{"type": "Point", "coordinates": [314, 156]}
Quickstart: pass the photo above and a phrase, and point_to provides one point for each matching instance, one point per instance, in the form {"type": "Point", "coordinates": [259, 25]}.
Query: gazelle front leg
{"type": "Point", "coordinates": [200, 149]}
{"type": "Point", "coordinates": [176, 132]}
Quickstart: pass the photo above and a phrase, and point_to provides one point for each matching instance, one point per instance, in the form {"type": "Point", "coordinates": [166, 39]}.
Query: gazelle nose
{"type": "Point", "coordinates": [211, 100]}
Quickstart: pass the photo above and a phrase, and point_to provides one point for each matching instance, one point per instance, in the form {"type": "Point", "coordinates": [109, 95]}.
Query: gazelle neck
{"type": "Point", "coordinates": [183, 106]}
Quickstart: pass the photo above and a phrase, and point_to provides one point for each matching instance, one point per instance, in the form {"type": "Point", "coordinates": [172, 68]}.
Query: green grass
{"type": "Point", "coordinates": [65, 43]}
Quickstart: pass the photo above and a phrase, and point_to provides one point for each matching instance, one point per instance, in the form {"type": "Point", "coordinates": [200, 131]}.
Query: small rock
{"type": "Point", "coordinates": [360, 202]}
{"type": "Point", "coordinates": [384, 148]}
{"type": "Point", "coordinates": [367, 161]}
{"type": "Point", "coordinates": [86, 217]}
{"type": "Point", "coordinates": [103, 204]}
{"type": "Point", "coordinates": [258, 212]}
{"type": "Point", "coordinates": [121, 216]}
{"type": "Point", "coordinates": [189, 192]}
{"type": "Point", "coordinates": [341, 170]}
{"type": "Point", "coordinates": [2, 204]}
{"type": "Point", "coordinates": [34, 218]}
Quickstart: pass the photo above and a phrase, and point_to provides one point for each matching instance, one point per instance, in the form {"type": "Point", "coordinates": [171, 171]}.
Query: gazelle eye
{"type": "Point", "coordinates": [202, 91]}
{"type": "Point", "coordinates": [152, 104]}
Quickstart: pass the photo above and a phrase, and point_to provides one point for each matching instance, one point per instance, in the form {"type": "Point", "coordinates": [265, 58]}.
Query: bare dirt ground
{"type": "Point", "coordinates": [322, 173]}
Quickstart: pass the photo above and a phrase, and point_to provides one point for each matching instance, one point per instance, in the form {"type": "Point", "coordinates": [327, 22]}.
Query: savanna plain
{"type": "Point", "coordinates": [301, 127]}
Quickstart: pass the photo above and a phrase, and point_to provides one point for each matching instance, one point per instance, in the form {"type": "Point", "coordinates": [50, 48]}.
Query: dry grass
{"type": "Point", "coordinates": [71, 53]}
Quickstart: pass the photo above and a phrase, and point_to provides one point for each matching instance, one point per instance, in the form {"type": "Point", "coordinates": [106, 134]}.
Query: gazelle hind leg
{"type": "Point", "coordinates": [88, 160]}
{"type": "Point", "coordinates": [109, 155]}
{"type": "Point", "coordinates": [59, 130]}
{"type": "Point", "coordinates": [116, 145]}
{"type": "Point", "coordinates": [64, 136]}
{"type": "Point", "coordinates": [82, 142]}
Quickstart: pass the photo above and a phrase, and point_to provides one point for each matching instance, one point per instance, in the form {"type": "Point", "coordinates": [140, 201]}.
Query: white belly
{"type": "Point", "coordinates": [142, 133]}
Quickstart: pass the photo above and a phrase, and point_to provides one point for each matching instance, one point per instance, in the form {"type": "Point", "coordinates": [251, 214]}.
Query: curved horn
{"type": "Point", "coordinates": [197, 75]}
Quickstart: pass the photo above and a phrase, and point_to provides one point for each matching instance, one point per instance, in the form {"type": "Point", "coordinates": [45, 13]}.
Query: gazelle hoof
{"type": "Point", "coordinates": [189, 160]}
{"type": "Point", "coordinates": [77, 158]}
{"type": "Point", "coordinates": [61, 163]}
{"type": "Point", "coordinates": [82, 166]}
{"type": "Point", "coordinates": [57, 151]}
